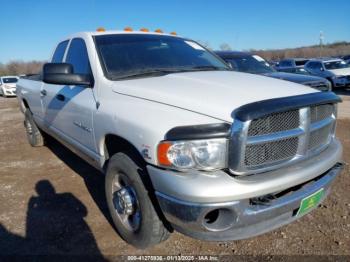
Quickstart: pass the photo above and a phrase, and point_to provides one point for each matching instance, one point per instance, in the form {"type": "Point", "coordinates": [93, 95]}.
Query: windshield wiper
{"type": "Point", "coordinates": [145, 73]}
{"type": "Point", "coordinates": [165, 71]}
{"type": "Point", "coordinates": [208, 68]}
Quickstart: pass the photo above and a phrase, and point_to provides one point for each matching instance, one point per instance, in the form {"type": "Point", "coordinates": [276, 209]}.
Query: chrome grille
{"type": "Point", "coordinates": [266, 153]}
{"type": "Point", "coordinates": [281, 138]}
{"type": "Point", "coordinates": [319, 137]}
{"type": "Point", "coordinates": [321, 112]}
{"type": "Point", "coordinates": [274, 123]}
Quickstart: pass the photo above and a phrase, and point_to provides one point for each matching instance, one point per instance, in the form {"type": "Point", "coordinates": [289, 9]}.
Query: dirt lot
{"type": "Point", "coordinates": [51, 202]}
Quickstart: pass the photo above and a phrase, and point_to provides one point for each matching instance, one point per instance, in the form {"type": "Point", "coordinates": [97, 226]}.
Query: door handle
{"type": "Point", "coordinates": [43, 92]}
{"type": "Point", "coordinates": [60, 97]}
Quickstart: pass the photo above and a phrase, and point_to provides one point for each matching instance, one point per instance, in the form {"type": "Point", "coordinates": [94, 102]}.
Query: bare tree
{"type": "Point", "coordinates": [225, 47]}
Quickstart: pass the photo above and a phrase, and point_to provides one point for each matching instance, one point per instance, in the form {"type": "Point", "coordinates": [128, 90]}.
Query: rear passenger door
{"type": "Point", "coordinates": [48, 91]}
{"type": "Point", "coordinates": [72, 107]}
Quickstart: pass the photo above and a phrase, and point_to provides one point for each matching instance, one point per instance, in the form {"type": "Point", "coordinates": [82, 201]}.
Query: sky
{"type": "Point", "coordinates": [30, 29]}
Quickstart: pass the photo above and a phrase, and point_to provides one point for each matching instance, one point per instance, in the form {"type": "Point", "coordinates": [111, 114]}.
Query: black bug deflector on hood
{"type": "Point", "coordinates": [265, 107]}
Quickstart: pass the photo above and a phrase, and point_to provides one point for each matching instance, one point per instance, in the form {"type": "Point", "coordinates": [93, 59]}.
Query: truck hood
{"type": "Point", "coordinates": [211, 93]}
{"type": "Point", "coordinates": [341, 71]}
{"type": "Point", "coordinates": [297, 78]}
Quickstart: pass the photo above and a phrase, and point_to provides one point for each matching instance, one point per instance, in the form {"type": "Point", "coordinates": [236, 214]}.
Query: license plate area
{"type": "Point", "coordinates": [310, 202]}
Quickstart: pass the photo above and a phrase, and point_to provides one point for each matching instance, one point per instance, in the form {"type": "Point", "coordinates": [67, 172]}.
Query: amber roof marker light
{"type": "Point", "coordinates": [144, 30]}
{"type": "Point", "coordinates": [128, 29]}
{"type": "Point", "coordinates": [101, 29]}
{"type": "Point", "coordinates": [173, 33]}
{"type": "Point", "coordinates": [158, 31]}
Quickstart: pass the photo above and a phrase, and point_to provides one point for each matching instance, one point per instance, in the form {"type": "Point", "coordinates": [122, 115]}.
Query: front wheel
{"type": "Point", "coordinates": [129, 203]}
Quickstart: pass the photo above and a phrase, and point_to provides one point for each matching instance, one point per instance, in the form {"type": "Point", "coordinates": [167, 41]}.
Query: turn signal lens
{"type": "Point", "coordinates": [163, 153]}
{"type": "Point", "coordinates": [144, 30]}
{"type": "Point", "coordinates": [128, 29]}
{"type": "Point", "coordinates": [158, 31]}
{"type": "Point", "coordinates": [100, 29]}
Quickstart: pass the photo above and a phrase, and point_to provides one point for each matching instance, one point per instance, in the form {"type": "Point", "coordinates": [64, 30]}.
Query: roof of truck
{"type": "Point", "coordinates": [119, 32]}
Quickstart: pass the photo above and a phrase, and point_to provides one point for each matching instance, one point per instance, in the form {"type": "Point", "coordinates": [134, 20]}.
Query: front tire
{"type": "Point", "coordinates": [129, 203]}
{"type": "Point", "coordinates": [34, 135]}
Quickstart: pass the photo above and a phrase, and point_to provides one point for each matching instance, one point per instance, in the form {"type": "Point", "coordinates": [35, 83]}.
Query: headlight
{"type": "Point", "coordinates": [208, 154]}
{"type": "Point", "coordinates": [329, 84]}
{"type": "Point", "coordinates": [338, 77]}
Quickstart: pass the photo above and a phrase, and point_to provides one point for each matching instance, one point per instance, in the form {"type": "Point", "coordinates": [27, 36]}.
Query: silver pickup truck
{"type": "Point", "coordinates": [184, 142]}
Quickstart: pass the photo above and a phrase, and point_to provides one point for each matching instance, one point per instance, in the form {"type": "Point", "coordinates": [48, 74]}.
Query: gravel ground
{"type": "Point", "coordinates": [51, 202]}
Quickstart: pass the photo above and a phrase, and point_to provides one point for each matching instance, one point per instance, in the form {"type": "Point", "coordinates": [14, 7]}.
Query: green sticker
{"type": "Point", "coordinates": [310, 202]}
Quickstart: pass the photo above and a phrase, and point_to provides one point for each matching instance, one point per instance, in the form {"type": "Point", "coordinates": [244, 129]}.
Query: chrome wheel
{"type": "Point", "coordinates": [125, 202]}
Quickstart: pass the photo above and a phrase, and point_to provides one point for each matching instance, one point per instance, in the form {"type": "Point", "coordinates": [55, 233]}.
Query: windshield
{"type": "Point", "coordinates": [8, 80]}
{"type": "Point", "coordinates": [335, 65]}
{"type": "Point", "coordinates": [250, 64]}
{"type": "Point", "coordinates": [139, 54]}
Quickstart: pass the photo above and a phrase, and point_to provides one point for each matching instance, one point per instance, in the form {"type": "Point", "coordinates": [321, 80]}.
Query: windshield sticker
{"type": "Point", "coordinates": [194, 45]}
{"type": "Point", "coordinates": [260, 59]}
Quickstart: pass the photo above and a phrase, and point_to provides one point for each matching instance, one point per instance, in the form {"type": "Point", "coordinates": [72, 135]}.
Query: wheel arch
{"type": "Point", "coordinates": [112, 144]}
{"type": "Point", "coordinates": [24, 105]}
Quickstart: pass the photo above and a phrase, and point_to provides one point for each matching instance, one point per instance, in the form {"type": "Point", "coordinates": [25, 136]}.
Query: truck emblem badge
{"type": "Point", "coordinates": [79, 124]}
{"type": "Point", "coordinates": [145, 153]}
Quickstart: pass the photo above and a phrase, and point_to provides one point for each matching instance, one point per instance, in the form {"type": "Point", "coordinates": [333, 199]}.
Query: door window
{"type": "Point", "coordinates": [286, 63]}
{"type": "Point", "coordinates": [59, 52]}
{"type": "Point", "coordinates": [78, 56]}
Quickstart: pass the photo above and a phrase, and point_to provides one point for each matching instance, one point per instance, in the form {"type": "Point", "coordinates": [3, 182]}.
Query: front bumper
{"type": "Point", "coordinates": [187, 198]}
{"type": "Point", "coordinates": [341, 82]}
{"type": "Point", "coordinates": [245, 218]}
{"type": "Point", "coordinates": [9, 92]}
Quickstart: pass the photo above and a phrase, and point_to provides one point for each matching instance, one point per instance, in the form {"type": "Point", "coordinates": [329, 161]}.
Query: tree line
{"type": "Point", "coordinates": [328, 50]}
{"type": "Point", "coordinates": [21, 67]}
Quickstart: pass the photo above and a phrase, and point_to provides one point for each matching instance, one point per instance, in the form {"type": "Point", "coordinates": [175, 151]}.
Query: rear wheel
{"type": "Point", "coordinates": [129, 203]}
{"type": "Point", "coordinates": [34, 135]}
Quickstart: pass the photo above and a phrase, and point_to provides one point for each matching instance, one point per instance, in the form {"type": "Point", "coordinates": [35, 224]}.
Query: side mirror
{"type": "Point", "coordinates": [62, 74]}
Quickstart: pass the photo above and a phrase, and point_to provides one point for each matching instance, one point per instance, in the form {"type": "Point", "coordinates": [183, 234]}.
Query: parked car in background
{"type": "Point", "coordinates": [8, 85]}
{"type": "Point", "coordinates": [336, 70]}
{"type": "Point", "coordinates": [291, 65]}
{"type": "Point", "coordinates": [346, 58]}
{"type": "Point", "coordinates": [273, 63]}
{"type": "Point", "coordinates": [249, 63]}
